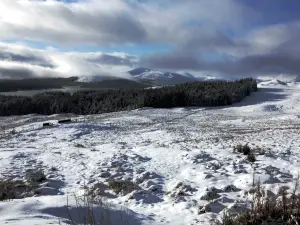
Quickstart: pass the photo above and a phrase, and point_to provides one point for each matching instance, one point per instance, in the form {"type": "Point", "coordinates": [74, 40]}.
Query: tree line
{"type": "Point", "coordinates": [36, 83]}
{"type": "Point", "coordinates": [201, 94]}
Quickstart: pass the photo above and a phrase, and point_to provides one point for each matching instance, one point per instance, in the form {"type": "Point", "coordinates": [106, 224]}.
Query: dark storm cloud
{"type": "Point", "coordinates": [261, 64]}
{"type": "Point", "coordinates": [173, 61]}
{"type": "Point", "coordinates": [114, 22]}
{"type": "Point", "coordinates": [30, 59]}
{"type": "Point", "coordinates": [199, 41]}
{"type": "Point", "coordinates": [73, 23]}
{"type": "Point", "coordinates": [111, 59]}
{"type": "Point", "coordinates": [116, 28]}
{"type": "Point", "coordinates": [103, 29]}
{"type": "Point", "coordinates": [270, 50]}
{"type": "Point", "coordinates": [244, 67]}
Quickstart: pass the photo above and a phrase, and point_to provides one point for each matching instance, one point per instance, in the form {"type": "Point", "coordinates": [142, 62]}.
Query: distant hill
{"type": "Point", "coordinates": [140, 78]}
{"type": "Point", "coordinates": [58, 83]}
{"type": "Point", "coordinates": [151, 77]}
{"type": "Point", "coordinates": [159, 78]}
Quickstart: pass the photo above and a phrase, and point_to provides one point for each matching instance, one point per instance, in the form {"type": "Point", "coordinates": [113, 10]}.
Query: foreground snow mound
{"type": "Point", "coordinates": [63, 210]}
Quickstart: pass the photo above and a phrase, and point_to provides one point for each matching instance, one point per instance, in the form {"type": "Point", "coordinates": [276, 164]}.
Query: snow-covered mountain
{"type": "Point", "coordinates": [161, 78]}
{"type": "Point", "coordinates": [154, 77]}
{"type": "Point", "coordinates": [90, 79]}
{"type": "Point", "coordinates": [273, 82]}
{"type": "Point", "coordinates": [95, 78]}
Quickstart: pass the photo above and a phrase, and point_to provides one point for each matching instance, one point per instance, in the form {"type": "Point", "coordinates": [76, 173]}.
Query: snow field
{"type": "Point", "coordinates": [181, 159]}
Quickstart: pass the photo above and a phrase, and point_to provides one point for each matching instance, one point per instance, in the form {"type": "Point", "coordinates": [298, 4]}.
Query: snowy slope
{"type": "Point", "coordinates": [273, 82]}
{"type": "Point", "coordinates": [176, 157]}
{"type": "Point", "coordinates": [90, 79]}
{"type": "Point", "coordinates": [161, 78]}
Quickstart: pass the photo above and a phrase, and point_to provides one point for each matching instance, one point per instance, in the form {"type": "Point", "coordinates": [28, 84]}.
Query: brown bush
{"type": "Point", "coordinates": [266, 210]}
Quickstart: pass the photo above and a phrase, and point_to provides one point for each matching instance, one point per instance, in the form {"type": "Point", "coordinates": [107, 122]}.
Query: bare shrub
{"type": "Point", "coordinates": [35, 175]}
{"type": "Point", "coordinates": [251, 158]}
{"type": "Point", "coordinates": [91, 211]}
{"type": "Point", "coordinates": [15, 189]}
{"type": "Point", "coordinates": [267, 210]}
{"type": "Point", "coordinates": [244, 149]}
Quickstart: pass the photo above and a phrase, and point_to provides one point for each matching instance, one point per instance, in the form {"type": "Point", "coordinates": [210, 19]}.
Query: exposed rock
{"type": "Point", "coordinates": [140, 178]}
{"type": "Point", "coordinates": [230, 188]}
{"type": "Point", "coordinates": [105, 174]}
{"type": "Point", "coordinates": [214, 207]}
{"type": "Point", "coordinates": [208, 176]}
{"type": "Point", "coordinates": [202, 157]}
{"type": "Point", "coordinates": [213, 165]}
{"type": "Point", "coordinates": [182, 189]}
{"type": "Point", "coordinates": [211, 194]}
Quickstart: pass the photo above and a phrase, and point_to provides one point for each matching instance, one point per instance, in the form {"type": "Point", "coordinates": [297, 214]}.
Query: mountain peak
{"type": "Point", "coordinates": [161, 78]}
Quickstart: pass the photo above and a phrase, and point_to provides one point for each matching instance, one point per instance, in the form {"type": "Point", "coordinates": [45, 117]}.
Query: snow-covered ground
{"type": "Point", "coordinates": [178, 157]}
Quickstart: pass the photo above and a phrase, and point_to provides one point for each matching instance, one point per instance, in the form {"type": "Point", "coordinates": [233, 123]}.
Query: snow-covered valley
{"type": "Point", "coordinates": [180, 159]}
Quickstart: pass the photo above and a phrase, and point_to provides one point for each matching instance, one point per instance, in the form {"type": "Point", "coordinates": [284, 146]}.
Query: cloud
{"type": "Point", "coordinates": [227, 37]}
{"type": "Point", "coordinates": [32, 59]}
{"type": "Point", "coordinates": [113, 22]}
{"type": "Point", "coordinates": [20, 61]}
{"type": "Point", "coordinates": [271, 50]}
{"type": "Point", "coordinates": [248, 66]}
{"type": "Point", "coordinates": [15, 70]}
{"type": "Point", "coordinates": [101, 23]}
{"type": "Point", "coordinates": [113, 59]}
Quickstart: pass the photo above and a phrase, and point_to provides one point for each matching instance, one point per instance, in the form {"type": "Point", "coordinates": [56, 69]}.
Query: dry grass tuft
{"type": "Point", "coordinates": [15, 189]}
{"type": "Point", "coordinates": [121, 186]}
{"type": "Point", "coordinates": [95, 211]}
{"type": "Point", "coordinates": [269, 210]}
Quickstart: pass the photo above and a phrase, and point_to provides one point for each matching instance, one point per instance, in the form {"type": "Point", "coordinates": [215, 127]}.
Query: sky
{"type": "Point", "coordinates": [226, 38]}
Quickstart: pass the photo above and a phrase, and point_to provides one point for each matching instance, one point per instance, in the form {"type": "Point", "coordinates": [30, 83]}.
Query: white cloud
{"type": "Point", "coordinates": [17, 61]}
